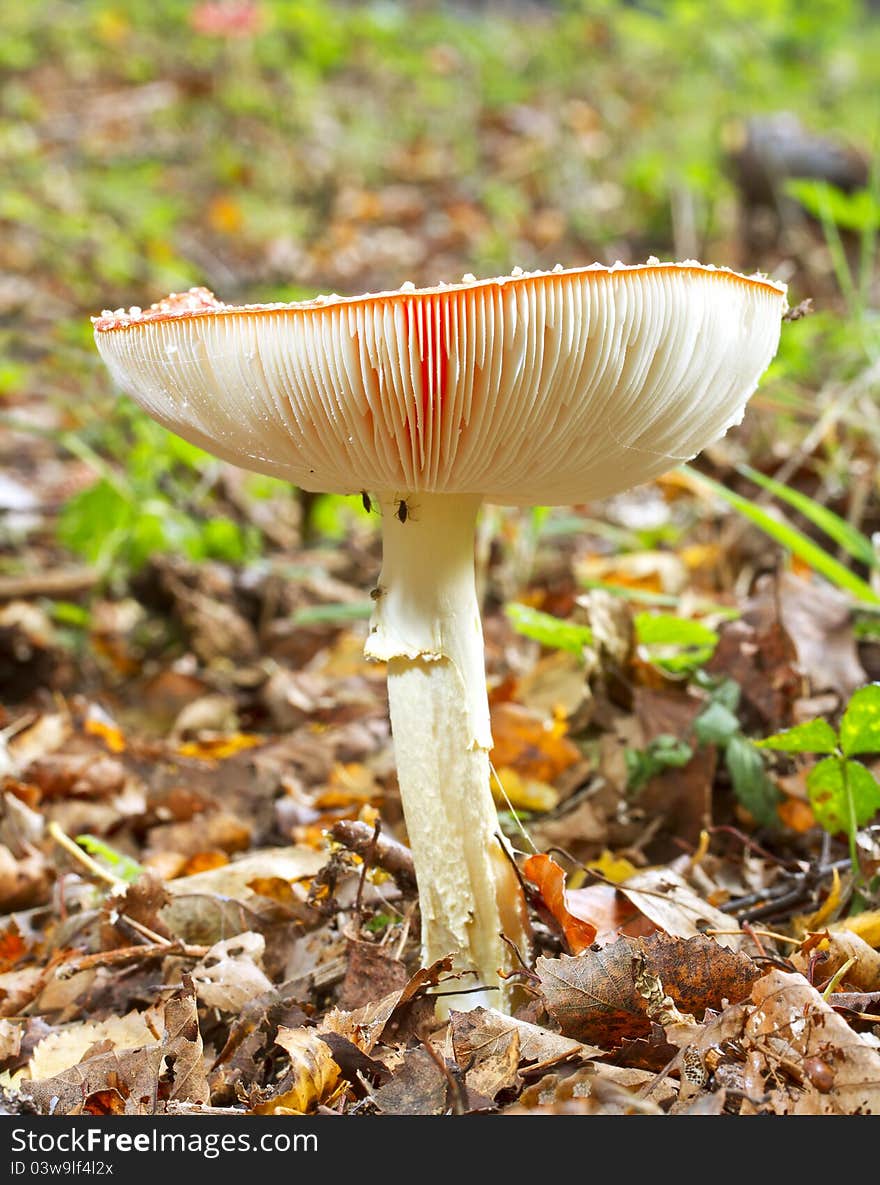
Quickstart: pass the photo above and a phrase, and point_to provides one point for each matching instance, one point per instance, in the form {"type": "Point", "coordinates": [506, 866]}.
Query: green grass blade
{"type": "Point", "coordinates": [843, 533]}
{"type": "Point", "coordinates": [793, 540]}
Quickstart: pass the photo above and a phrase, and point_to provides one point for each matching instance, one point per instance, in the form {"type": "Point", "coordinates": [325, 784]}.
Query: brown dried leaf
{"type": "Point", "coordinates": [419, 1087]}
{"type": "Point", "coordinates": [182, 1047]}
{"type": "Point", "coordinates": [366, 1026]}
{"type": "Point", "coordinates": [600, 996]}
{"type": "Point", "coordinates": [667, 899]}
{"type": "Point", "coordinates": [371, 974]}
{"type": "Point", "coordinates": [539, 1048]}
{"type": "Point", "coordinates": [69, 1044]}
{"type": "Point", "coordinates": [230, 975]}
{"type": "Point", "coordinates": [595, 1090]}
{"type": "Point", "coordinates": [489, 1053]}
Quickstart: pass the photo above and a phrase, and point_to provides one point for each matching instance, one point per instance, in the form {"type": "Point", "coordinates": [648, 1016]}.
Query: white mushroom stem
{"type": "Point", "coordinates": [426, 626]}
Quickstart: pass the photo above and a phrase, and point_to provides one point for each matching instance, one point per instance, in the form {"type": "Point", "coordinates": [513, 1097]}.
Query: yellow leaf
{"type": "Point", "coordinates": [809, 923]}
{"type": "Point", "coordinates": [613, 868]}
{"type": "Point", "coordinates": [224, 215]}
{"type": "Point", "coordinates": [219, 747]}
{"type": "Point", "coordinates": [523, 793]}
{"type": "Point", "coordinates": [111, 26]}
{"type": "Point", "coordinates": [315, 1074]}
{"type": "Point", "coordinates": [109, 734]}
{"type": "Point", "coordinates": [866, 925]}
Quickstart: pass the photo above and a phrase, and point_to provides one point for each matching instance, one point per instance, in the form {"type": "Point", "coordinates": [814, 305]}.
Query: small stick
{"type": "Point", "coordinates": [389, 854]}
{"type": "Point", "coordinates": [368, 857]}
{"type": "Point", "coordinates": [61, 583]}
{"type": "Point", "coordinates": [126, 954]}
{"type": "Point", "coordinates": [753, 930]}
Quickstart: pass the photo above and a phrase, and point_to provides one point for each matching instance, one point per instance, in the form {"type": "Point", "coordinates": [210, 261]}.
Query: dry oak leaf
{"type": "Point", "coordinates": [793, 1029]}
{"type": "Point", "coordinates": [595, 997]}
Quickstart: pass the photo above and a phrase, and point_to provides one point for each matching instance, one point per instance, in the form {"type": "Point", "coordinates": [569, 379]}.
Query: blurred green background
{"type": "Point", "coordinates": [277, 148]}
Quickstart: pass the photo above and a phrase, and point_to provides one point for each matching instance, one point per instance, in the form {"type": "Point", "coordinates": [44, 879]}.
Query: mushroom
{"type": "Point", "coordinates": [547, 388]}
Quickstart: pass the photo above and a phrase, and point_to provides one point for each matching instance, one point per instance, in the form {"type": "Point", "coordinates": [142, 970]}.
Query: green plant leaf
{"type": "Point", "coordinates": [828, 793]}
{"type": "Point", "coordinates": [844, 534]}
{"type": "Point", "coordinates": [851, 211]}
{"type": "Point", "coordinates": [676, 644]}
{"type": "Point", "coordinates": [752, 787]}
{"type": "Point", "coordinates": [663, 752]}
{"type": "Point", "coordinates": [860, 726]}
{"type": "Point", "coordinates": [121, 865]}
{"type": "Point", "coordinates": [813, 736]}
{"type": "Point", "coordinates": [715, 725]}
{"type": "Point", "coordinates": [548, 630]}
{"type": "Point", "coordinates": [93, 519]}
{"type": "Point", "coordinates": [793, 540]}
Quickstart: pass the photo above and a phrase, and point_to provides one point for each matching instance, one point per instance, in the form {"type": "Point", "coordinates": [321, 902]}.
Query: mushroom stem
{"type": "Point", "coordinates": [426, 626]}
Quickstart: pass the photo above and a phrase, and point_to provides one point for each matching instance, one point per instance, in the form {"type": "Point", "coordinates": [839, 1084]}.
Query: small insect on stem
{"type": "Point", "coordinates": [402, 511]}
{"type": "Point", "coordinates": [376, 593]}
{"type": "Point", "coordinates": [366, 501]}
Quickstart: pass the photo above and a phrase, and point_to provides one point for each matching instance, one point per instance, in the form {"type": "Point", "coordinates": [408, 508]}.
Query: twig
{"type": "Point", "coordinates": [368, 856]}
{"type": "Point", "coordinates": [457, 1092]}
{"type": "Point", "coordinates": [64, 582]}
{"type": "Point", "coordinates": [127, 954]}
{"type": "Point", "coordinates": [388, 853]}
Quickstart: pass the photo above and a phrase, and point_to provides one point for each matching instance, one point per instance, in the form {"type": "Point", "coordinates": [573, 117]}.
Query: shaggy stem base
{"type": "Point", "coordinates": [427, 627]}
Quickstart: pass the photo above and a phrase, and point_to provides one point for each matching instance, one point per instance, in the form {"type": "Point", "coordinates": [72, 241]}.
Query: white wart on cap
{"type": "Point", "coordinates": [543, 388]}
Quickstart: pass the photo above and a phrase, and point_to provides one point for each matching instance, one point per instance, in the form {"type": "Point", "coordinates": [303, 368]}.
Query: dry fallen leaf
{"type": "Point", "coordinates": [66, 1045]}
{"type": "Point", "coordinates": [539, 1048]}
{"type": "Point", "coordinates": [667, 899]}
{"type": "Point", "coordinates": [230, 975]}
{"type": "Point", "coordinates": [312, 1078]}
{"type": "Point", "coordinates": [182, 1047]}
{"type": "Point", "coordinates": [489, 1054]}
{"type": "Point", "coordinates": [547, 876]}
{"type": "Point", "coordinates": [599, 996]}
{"type": "Point", "coordinates": [798, 1037]}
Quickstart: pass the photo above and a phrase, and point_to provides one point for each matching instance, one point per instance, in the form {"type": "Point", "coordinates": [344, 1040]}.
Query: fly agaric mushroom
{"type": "Point", "coordinates": [545, 388]}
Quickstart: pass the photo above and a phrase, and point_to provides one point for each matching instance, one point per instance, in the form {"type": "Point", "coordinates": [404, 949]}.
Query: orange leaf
{"type": "Point", "coordinates": [797, 815]}
{"type": "Point", "coordinates": [12, 946]}
{"type": "Point", "coordinates": [549, 879]}
{"type": "Point", "coordinates": [525, 741]}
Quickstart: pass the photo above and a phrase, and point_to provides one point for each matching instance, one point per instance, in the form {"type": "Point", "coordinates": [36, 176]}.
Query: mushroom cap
{"type": "Point", "coordinates": [541, 388]}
